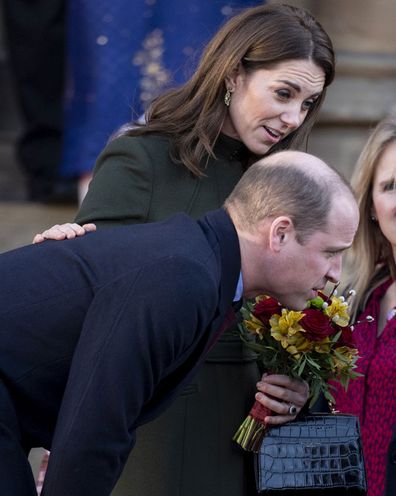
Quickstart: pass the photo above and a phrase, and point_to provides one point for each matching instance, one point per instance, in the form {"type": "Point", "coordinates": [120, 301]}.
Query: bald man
{"type": "Point", "coordinates": [98, 334]}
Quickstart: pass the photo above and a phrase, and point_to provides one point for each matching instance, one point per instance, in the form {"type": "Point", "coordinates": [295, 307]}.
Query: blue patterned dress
{"type": "Point", "coordinates": [121, 54]}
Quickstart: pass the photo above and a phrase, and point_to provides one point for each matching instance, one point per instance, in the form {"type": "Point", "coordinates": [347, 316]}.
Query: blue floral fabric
{"type": "Point", "coordinates": [121, 54]}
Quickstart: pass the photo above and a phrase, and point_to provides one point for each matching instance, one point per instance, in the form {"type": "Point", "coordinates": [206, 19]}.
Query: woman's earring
{"type": "Point", "coordinates": [227, 98]}
{"type": "Point", "coordinates": [373, 218]}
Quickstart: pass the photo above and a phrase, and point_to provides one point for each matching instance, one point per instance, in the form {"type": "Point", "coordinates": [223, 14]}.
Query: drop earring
{"type": "Point", "coordinates": [227, 98]}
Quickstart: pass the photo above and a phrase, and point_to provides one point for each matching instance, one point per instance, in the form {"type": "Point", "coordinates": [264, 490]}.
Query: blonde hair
{"type": "Point", "coordinates": [260, 37]}
{"type": "Point", "coordinates": [370, 257]}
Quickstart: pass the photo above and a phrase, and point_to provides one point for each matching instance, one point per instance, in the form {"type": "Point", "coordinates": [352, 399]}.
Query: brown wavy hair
{"type": "Point", "coordinates": [260, 37]}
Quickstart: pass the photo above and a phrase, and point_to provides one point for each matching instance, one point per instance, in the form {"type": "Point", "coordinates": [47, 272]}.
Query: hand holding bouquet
{"type": "Point", "coordinates": [314, 344]}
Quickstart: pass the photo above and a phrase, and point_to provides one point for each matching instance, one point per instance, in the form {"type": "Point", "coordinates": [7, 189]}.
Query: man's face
{"type": "Point", "coordinates": [306, 268]}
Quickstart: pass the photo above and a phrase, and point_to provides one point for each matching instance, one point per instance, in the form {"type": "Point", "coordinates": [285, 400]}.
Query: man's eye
{"type": "Point", "coordinates": [331, 254]}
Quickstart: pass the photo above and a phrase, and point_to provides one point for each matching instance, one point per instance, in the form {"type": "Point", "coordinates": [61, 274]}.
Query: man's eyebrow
{"type": "Point", "coordinates": [339, 248]}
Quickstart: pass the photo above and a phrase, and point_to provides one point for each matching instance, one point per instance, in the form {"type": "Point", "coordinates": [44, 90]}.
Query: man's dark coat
{"type": "Point", "coordinates": [97, 335]}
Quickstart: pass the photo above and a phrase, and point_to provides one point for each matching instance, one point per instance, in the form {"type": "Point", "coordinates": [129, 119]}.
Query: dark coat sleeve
{"type": "Point", "coordinates": [121, 188]}
{"type": "Point", "coordinates": [139, 342]}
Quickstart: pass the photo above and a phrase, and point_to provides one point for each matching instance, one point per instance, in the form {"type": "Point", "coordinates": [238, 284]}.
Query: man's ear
{"type": "Point", "coordinates": [280, 233]}
{"type": "Point", "coordinates": [231, 80]}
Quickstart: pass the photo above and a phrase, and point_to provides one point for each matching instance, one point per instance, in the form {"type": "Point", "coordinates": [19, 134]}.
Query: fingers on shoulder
{"type": "Point", "coordinates": [69, 230]}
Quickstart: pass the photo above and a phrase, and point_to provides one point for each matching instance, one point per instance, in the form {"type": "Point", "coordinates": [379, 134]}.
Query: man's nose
{"type": "Point", "coordinates": [334, 272]}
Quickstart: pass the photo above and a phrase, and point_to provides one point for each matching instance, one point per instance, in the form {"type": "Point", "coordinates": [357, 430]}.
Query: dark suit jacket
{"type": "Point", "coordinates": [120, 318]}
{"type": "Point", "coordinates": [136, 181]}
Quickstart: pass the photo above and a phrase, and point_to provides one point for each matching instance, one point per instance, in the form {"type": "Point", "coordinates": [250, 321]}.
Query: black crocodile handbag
{"type": "Point", "coordinates": [315, 455]}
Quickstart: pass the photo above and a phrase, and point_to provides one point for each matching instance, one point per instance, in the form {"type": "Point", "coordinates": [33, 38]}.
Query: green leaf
{"type": "Point", "coordinates": [302, 366]}
{"type": "Point", "coordinates": [312, 362]}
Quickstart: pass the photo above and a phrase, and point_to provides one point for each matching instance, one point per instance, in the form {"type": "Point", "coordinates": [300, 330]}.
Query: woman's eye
{"type": "Point", "coordinates": [283, 94]}
{"type": "Point", "coordinates": [308, 104]}
{"type": "Point", "coordinates": [390, 186]}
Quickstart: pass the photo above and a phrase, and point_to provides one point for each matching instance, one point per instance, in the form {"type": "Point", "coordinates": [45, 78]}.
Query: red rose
{"type": "Point", "coordinates": [347, 338]}
{"type": "Point", "coordinates": [266, 308]}
{"type": "Point", "coordinates": [316, 325]}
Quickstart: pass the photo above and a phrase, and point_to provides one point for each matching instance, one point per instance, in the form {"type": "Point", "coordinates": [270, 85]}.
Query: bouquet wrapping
{"type": "Point", "coordinates": [314, 344]}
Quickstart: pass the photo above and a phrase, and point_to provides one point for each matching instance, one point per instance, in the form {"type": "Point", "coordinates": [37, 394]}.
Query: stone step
{"type": "Point", "coordinates": [19, 222]}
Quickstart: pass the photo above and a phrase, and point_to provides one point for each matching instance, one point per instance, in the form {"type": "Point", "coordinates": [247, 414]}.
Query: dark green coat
{"type": "Point", "coordinates": [135, 181]}
{"type": "Point", "coordinates": [188, 451]}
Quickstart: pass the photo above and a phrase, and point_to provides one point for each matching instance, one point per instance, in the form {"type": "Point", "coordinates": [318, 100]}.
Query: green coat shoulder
{"type": "Point", "coordinates": [135, 181]}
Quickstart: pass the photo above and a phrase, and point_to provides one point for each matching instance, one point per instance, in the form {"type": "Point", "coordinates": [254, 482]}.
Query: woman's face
{"type": "Point", "coordinates": [268, 104]}
{"type": "Point", "coordinates": [384, 194]}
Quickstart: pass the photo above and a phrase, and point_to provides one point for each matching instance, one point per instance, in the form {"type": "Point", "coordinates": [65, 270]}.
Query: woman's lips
{"type": "Point", "coordinates": [273, 135]}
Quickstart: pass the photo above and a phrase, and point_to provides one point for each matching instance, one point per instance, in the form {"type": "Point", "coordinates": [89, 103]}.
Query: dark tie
{"type": "Point", "coordinates": [230, 318]}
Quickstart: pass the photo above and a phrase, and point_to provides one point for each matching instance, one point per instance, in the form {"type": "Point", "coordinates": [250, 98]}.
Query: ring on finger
{"type": "Point", "coordinates": [292, 409]}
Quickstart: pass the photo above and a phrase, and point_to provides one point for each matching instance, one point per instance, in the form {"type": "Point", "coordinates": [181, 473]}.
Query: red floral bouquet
{"type": "Point", "coordinates": [314, 344]}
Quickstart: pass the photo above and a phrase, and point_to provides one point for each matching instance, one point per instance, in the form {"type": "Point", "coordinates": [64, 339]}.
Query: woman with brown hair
{"type": "Point", "coordinates": [257, 89]}
{"type": "Point", "coordinates": [371, 273]}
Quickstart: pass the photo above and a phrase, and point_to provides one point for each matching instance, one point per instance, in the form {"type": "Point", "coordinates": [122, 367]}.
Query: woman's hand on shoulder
{"type": "Point", "coordinates": [64, 231]}
{"type": "Point", "coordinates": [280, 393]}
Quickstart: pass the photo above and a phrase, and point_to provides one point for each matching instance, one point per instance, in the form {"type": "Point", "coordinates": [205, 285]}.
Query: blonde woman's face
{"type": "Point", "coordinates": [384, 194]}
{"type": "Point", "coordinates": [268, 104]}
